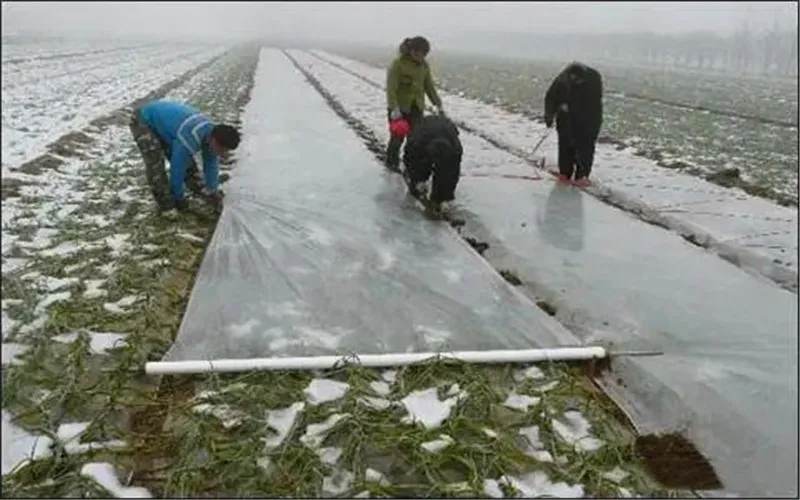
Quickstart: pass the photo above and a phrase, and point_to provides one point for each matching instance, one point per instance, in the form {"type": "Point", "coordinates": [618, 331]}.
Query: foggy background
{"type": "Point", "coordinates": [747, 36]}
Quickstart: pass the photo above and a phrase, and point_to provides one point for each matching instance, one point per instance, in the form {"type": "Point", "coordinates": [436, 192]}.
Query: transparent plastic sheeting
{"type": "Point", "coordinates": [729, 373]}
{"type": "Point", "coordinates": [319, 251]}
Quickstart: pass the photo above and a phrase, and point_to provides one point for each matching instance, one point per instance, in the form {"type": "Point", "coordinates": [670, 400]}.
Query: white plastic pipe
{"type": "Point", "coordinates": [372, 360]}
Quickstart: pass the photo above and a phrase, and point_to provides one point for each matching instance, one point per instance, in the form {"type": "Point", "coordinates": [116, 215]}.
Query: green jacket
{"type": "Point", "coordinates": [407, 82]}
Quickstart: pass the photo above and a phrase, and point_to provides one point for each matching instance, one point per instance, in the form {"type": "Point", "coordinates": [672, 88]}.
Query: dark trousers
{"type": "Point", "coordinates": [575, 156]}
{"type": "Point", "coordinates": [154, 152]}
{"type": "Point", "coordinates": [393, 148]}
{"type": "Point", "coordinates": [445, 177]}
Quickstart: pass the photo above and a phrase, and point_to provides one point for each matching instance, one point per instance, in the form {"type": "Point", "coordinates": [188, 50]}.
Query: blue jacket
{"type": "Point", "coordinates": [184, 131]}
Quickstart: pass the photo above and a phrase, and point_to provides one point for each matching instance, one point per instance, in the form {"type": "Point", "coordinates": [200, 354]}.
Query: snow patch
{"type": "Point", "coordinates": [534, 447]}
{"type": "Point", "coordinates": [389, 376]}
{"type": "Point", "coordinates": [282, 421]}
{"type": "Point", "coordinates": [374, 476]}
{"type": "Point", "coordinates": [329, 455]}
{"type": "Point", "coordinates": [424, 407]}
{"type": "Point", "coordinates": [575, 431]}
{"type": "Point", "coordinates": [99, 343]}
{"type": "Point", "coordinates": [491, 488]}
{"type": "Point", "coordinates": [20, 447]}
{"type": "Point", "coordinates": [375, 403]}
{"type": "Point", "coordinates": [520, 402]}
{"type": "Point", "coordinates": [380, 388]}
{"type": "Point", "coordinates": [12, 352]}
{"type": "Point", "coordinates": [121, 306]}
{"type": "Point", "coordinates": [432, 335]}
{"type": "Point", "coordinates": [339, 483]}
{"type": "Point", "coordinates": [227, 416]}
{"type": "Point", "coordinates": [103, 474]}
{"type": "Point", "coordinates": [94, 290]}
{"type": "Point", "coordinates": [316, 433]}
{"type": "Point", "coordinates": [538, 484]}
{"type": "Point", "coordinates": [322, 390]}
{"type": "Point", "coordinates": [243, 329]}
{"type": "Point", "coordinates": [437, 444]}
{"type": "Point", "coordinates": [616, 475]}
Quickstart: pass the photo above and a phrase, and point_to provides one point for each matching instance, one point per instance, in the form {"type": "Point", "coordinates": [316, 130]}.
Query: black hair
{"type": "Point", "coordinates": [419, 43]}
{"type": "Point", "coordinates": [578, 70]}
{"type": "Point", "coordinates": [404, 50]}
{"type": "Point", "coordinates": [226, 136]}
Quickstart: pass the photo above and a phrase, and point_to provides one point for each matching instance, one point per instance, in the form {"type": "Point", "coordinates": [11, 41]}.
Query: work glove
{"type": "Point", "coordinates": [396, 114]}
{"type": "Point", "coordinates": [548, 121]}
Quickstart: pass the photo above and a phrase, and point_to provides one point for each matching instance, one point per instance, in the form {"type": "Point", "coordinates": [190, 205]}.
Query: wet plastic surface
{"type": "Point", "coordinates": [729, 338]}
{"type": "Point", "coordinates": [320, 251]}
{"type": "Point", "coordinates": [759, 233]}
{"type": "Point", "coordinates": [729, 375]}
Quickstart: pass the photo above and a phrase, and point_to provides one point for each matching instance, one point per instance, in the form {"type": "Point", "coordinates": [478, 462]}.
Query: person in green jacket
{"type": "Point", "coordinates": [408, 80]}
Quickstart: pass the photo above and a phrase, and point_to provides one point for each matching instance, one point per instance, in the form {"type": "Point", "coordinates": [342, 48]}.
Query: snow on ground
{"type": "Point", "coordinates": [643, 287]}
{"type": "Point", "coordinates": [361, 430]}
{"type": "Point", "coordinates": [40, 104]}
{"type": "Point", "coordinates": [762, 235]}
{"type": "Point", "coordinates": [74, 242]}
{"type": "Point", "coordinates": [318, 432]}
{"type": "Point", "coordinates": [85, 228]}
{"type": "Point", "coordinates": [47, 49]}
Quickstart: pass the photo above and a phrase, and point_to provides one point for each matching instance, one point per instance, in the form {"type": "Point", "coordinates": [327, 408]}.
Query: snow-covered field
{"type": "Point", "coordinates": [95, 284]}
{"type": "Point", "coordinates": [752, 232]}
{"type": "Point", "coordinates": [612, 277]}
{"type": "Point", "coordinates": [44, 100]}
{"type": "Point", "coordinates": [691, 122]}
{"type": "Point", "coordinates": [17, 50]}
{"type": "Point", "coordinates": [83, 257]}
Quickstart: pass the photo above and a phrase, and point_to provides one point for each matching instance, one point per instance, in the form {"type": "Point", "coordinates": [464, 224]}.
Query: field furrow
{"type": "Point", "coordinates": [754, 128]}
{"type": "Point", "coordinates": [722, 218]}
{"type": "Point", "coordinates": [93, 285]}
{"type": "Point", "coordinates": [36, 115]}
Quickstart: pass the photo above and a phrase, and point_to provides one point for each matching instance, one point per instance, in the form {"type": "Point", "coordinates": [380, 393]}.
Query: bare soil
{"type": "Point", "coordinates": [675, 462]}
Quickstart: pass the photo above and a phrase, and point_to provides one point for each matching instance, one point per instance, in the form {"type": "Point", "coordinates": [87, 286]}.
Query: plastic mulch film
{"type": "Point", "coordinates": [321, 251]}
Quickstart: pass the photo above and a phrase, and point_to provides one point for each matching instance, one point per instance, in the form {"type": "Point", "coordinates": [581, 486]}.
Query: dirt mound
{"type": "Point", "coordinates": [119, 117]}
{"type": "Point", "coordinates": [10, 188]}
{"type": "Point", "coordinates": [71, 145]}
{"type": "Point", "coordinates": [676, 463]}
{"type": "Point", "coordinates": [40, 164]}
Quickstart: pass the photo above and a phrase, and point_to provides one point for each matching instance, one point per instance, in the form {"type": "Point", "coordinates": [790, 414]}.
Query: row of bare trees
{"type": "Point", "coordinates": [768, 52]}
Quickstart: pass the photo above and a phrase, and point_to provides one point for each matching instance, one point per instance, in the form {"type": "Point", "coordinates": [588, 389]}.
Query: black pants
{"type": "Point", "coordinates": [575, 156]}
{"type": "Point", "coordinates": [393, 148]}
{"type": "Point", "coordinates": [445, 177]}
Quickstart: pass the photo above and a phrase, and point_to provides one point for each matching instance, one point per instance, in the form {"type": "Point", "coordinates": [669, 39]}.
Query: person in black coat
{"type": "Point", "coordinates": [433, 148]}
{"type": "Point", "coordinates": [575, 101]}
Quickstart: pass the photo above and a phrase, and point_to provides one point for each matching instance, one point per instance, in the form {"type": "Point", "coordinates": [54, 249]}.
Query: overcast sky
{"type": "Point", "coordinates": [384, 22]}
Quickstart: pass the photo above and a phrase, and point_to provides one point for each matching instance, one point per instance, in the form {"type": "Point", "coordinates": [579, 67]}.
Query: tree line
{"type": "Point", "coordinates": [767, 52]}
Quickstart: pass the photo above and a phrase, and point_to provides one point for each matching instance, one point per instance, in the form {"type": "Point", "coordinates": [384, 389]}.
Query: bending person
{"type": "Point", "coordinates": [575, 100]}
{"type": "Point", "coordinates": [177, 132]}
{"type": "Point", "coordinates": [434, 149]}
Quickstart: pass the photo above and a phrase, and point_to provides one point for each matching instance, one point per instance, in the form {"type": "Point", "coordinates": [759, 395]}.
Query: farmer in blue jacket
{"type": "Point", "coordinates": [178, 132]}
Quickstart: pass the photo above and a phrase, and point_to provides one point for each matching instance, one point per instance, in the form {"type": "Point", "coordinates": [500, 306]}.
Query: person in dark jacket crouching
{"type": "Point", "coordinates": [575, 100]}
{"type": "Point", "coordinates": [434, 149]}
